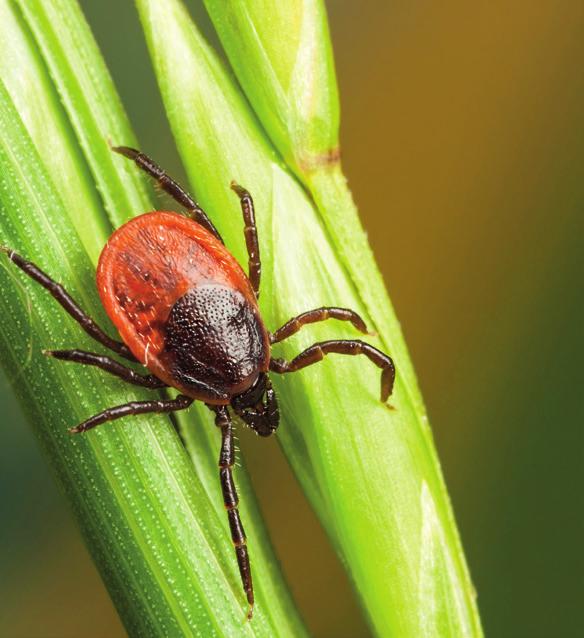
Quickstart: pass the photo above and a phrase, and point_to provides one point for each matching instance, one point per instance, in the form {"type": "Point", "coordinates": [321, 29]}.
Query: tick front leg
{"type": "Point", "coordinates": [231, 501]}
{"type": "Point", "coordinates": [62, 296]}
{"type": "Point", "coordinates": [251, 237]}
{"type": "Point", "coordinates": [108, 365]}
{"type": "Point", "coordinates": [168, 185]}
{"type": "Point", "coordinates": [133, 408]}
{"type": "Point", "coordinates": [318, 351]}
{"type": "Point", "coordinates": [313, 316]}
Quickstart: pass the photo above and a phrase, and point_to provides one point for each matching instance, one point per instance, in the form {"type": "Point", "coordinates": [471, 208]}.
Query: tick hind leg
{"type": "Point", "coordinates": [62, 296]}
{"type": "Point", "coordinates": [251, 237]}
{"type": "Point", "coordinates": [133, 408]}
{"type": "Point", "coordinates": [231, 500]}
{"type": "Point", "coordinates": [168, 185]}
{"type": "Point", "coordinates": [318, 351]}
{"type": "Point", "coordinates": [313, 316]}
{"type": "Point", "coordinates": [108, 365]}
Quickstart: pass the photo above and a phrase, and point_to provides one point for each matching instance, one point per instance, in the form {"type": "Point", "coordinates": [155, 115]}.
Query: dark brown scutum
{"type": "Point", "coordinates": [231, 501]}
{"type": "Point", "coordinates": [214, 337]}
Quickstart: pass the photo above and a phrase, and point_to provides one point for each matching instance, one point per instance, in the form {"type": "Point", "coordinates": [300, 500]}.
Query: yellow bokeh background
{"type": "Point", "coordinates": [463, 139]}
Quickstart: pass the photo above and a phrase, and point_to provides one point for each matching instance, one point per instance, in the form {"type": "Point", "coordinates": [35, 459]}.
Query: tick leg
{"type": "Point", "coordinates": [251, 237]}
{"type": "Point", "coordinates": [168, 185]}
{"type": "Point", "coordinates": [134, 407]}
{"type": "Point", "coordinates": [109, 365]}
{"type": "Point", "coordinates": [67, 302]}
{"type": "Point", "coordinates": [313, 316]}
{"type": "Point", "coordinates": [318, 351]}
{"type": "Point", "coordinates": [231, 500]}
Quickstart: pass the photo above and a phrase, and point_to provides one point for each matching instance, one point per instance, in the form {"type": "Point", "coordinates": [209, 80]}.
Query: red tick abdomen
{"type": "Point", "coordinates": [183, 306]}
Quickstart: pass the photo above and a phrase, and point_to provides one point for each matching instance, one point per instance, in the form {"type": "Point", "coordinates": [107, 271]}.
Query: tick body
{"type": "Point", "coordinates": [183, 306]}
{"type": "Point", "coordinates": [185, 309]}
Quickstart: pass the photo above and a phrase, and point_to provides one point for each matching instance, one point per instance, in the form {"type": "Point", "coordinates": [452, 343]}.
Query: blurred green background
{"type": "Point", "coordinates": [463, 139]}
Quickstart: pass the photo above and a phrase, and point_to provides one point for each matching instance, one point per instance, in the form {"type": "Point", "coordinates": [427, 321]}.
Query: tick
{"type": "Point", "coordinates": [185, 310]}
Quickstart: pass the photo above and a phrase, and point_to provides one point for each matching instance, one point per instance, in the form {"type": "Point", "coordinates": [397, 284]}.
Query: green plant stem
{"type": "Point", "coordinates": [120, 481]}
{"type": "Point", "coordinates": [37, 102]}
{"type": "Point", "coordinates": [155, 526]}
{"type": "Point", "coordinates": [90, 100]}
{"type": "Point", "coordinates": [372, 474]}
{"type": "Point", "coordinates": [336, 206]}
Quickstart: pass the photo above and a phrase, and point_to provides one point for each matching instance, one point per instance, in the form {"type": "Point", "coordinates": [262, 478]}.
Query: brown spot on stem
{"type": "Point", "coordinates": [328, 158]}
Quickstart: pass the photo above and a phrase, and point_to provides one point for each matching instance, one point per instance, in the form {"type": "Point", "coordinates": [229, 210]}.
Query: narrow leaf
{"type": "Point", "coordinates": [154, 525]}
{"type": "Point", "coordinates": [90, 99]}
{"type": "Point", "coordinates": [371, 473]}
{"type": "Point", "coordinates": [282, 55]}
{"type": "Point", "coordinates": [22, 71]}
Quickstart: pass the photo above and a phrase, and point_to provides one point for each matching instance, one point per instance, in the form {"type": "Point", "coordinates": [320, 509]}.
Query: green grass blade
{"type": "Point", "coordinates": [371, 474]}
{"type": "Point", "coordinates": [282, 55]}
{"type": "Point", "coordinates": [23, 73]}
{"type": "Point", "coordinates": [218, 139]}
{"type": "Point", "coordinates": [290, 82]}
{"type": "Point", "coordinates": [90, 100]}
{"type": "Point", "coordinates": [155, 526]}
{"type": "Point", "coordinates": [119, 480]}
